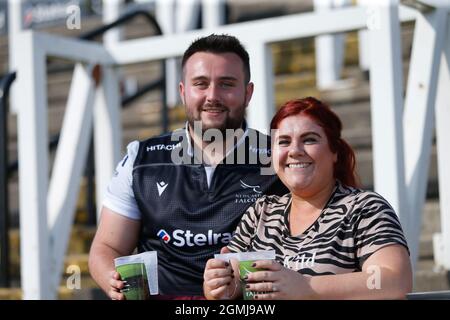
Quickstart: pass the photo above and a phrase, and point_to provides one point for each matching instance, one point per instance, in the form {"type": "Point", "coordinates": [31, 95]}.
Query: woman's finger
{"type": "Point", "coordinates": [260, 276]}
{"type": "Point", "coordinates": [220, 292]}
{"type": "Point", "coordinates": [218, 282]}
{"type": "Point", "coordinates": [267, 264]}
{"type": "Point", "coordinates": [262, 287]}
{"type": "Point", "coordinates": [266, 296]}
{"type": "Point", "coordinates": [217, 273]}
{"type": "Point", "coordinates": [216, 263]}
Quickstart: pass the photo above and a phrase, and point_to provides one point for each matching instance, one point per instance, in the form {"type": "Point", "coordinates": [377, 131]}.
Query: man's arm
{"type": "Point", "coordinates": [116, 236]}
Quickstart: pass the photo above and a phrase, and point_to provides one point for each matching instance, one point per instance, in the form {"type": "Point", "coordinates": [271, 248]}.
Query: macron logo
{"type": "Point", "coordinates": [161, 187]}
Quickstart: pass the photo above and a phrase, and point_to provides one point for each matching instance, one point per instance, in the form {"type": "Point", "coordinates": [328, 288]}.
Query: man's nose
{"type": "Point", "coordinates": [212, 94]}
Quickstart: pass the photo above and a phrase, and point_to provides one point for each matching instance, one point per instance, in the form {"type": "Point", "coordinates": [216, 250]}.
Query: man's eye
{"type": "Point", "coordinates": [200, 84]}
{"type": "Point", "coordinates": [227, 84]}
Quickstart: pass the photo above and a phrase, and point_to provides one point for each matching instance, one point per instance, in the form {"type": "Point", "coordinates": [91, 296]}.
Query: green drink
{"type": "Point", "coordinates": [136, 277]}
{"type": "Point", "coordinates": [246, 259]}
{"type": "Point", "coordinates": [245, 267]}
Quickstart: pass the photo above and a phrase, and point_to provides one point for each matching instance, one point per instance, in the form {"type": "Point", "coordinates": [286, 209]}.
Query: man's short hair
{"type": "Point", "coordinates": [222, 43]}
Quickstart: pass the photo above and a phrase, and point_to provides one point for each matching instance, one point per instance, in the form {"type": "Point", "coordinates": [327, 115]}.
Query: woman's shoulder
{"type": "Point", "coordinates": [356, 194]}
{"type": "Point", "coordinates": [358, 200]}
{"type": "Point", "coordinates": [272, 199]}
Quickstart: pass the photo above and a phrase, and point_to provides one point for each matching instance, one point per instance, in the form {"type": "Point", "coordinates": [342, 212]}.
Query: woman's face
{"type": "Point", "coordinates": [302, 157]}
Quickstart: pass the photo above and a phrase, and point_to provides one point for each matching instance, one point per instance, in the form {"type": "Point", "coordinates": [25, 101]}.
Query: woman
{"type": "Point", "coordinates": [332, 240]}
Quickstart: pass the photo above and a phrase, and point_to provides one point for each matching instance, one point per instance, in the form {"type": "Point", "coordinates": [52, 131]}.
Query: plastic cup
{"type": "Point", "coordinates": [246, 259]}
{"type": "Point", "coordinates": [245, 267]}
{"type": "Point", "coordinates": [136, 277]}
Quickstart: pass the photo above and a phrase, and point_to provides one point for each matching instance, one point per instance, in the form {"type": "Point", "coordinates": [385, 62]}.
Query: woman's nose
{"type": "Point", "coordinates": [296, 149]}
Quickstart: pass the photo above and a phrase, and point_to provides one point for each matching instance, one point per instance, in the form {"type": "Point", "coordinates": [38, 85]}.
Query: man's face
{"type": "Point", "coordinates": [214, 91]}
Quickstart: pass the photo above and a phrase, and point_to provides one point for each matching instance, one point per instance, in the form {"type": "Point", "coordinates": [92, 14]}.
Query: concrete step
{"type": "Point", "coordinates": [428, 278]}
{"type": "Point", "coordinates": [83, 288]}
{"type": "Point", "coordinates": [16, 294]}
{"type": "Point", "coordinates": [81, 216]}
{"type": "Point", "coordinates": [364, 168]}
{"type": "Point", "coordinates": [78, 247]}
{"type": "Point", "coordinates": [58, 83]}
{"type": "Point", "coordinates": [142, 113]}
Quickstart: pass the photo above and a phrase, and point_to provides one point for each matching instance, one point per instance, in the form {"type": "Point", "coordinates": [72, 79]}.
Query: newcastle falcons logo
{"type": "Point", "coordinates": [256, 189]}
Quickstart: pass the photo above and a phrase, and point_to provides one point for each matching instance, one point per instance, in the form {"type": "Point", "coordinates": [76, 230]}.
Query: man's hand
{"type": "Point", "coordinates": [117, 285]}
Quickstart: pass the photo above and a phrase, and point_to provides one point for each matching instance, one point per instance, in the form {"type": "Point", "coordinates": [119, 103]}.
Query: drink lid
{"type": "Point", "coordinates": [246, 256]}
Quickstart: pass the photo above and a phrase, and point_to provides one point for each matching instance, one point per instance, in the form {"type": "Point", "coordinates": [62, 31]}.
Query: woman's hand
{"type": "Point", "coordinates": [277, 282]}
{"type": "Point", "coordinates": [220, 281]}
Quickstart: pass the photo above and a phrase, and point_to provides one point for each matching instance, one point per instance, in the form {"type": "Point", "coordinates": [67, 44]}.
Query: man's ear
{"type": "Point", "coordinates": [181, 91]}
{"type": "Point", "coordinates": [248, 93]}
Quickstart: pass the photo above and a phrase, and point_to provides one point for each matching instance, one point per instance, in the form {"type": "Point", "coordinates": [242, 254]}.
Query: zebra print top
{"type": "Point", "coordinates": [353, 225]}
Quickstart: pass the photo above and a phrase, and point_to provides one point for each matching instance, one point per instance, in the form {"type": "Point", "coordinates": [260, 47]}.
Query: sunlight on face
{"type": "Point", "coordinates": [214, 90]}
{"type": "Point", "coordinates": [302, 156]}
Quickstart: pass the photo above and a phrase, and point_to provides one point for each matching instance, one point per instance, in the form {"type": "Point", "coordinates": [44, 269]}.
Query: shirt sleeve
{"type": "Point", "coordinates": [378, 226]}
{"type": "Point", "coordinates": [119, 196]}
{"type": "Point", "coordinates": [247, 227]}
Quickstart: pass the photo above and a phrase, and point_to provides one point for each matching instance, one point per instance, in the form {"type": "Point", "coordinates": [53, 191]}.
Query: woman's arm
{"type": "Point", "coordinates": [386, 274]}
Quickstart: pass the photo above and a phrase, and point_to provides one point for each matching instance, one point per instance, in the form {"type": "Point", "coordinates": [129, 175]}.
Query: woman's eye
{"type": "Point", "coordinates": [283, 142]}
{"type": "Point", "coordinates": [310, 140]}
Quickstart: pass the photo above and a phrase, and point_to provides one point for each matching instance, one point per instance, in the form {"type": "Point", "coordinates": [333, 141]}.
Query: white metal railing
{"type": "Point", "coordinates": [48, 208]}
{"type": "Point", "coordinates": [49, 212]}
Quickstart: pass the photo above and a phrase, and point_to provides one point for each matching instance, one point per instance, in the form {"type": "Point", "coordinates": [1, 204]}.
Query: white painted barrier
{"type": "Point", "coordinates": [49, 212]}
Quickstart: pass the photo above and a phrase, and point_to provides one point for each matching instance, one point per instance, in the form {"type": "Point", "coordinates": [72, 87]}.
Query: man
{"type": "Point", "coordinates": [182, 194]}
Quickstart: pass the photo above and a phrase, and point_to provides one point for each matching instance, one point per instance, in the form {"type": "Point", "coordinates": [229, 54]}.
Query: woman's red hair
{"type": "Point", "coordinates": [344, 168]}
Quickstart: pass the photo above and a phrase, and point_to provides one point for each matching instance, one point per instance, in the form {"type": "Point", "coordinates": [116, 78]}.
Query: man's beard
{"type": "Point", "coordinates": [229, 123]}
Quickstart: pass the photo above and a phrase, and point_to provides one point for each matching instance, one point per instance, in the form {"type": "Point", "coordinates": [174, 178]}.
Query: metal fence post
{"type": "Point", "coordinates": [4, 208]}
{"type": "Point", "coordinates": [5, 84]}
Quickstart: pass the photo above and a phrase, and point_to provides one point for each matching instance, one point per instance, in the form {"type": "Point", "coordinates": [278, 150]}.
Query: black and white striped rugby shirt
{"type": "Point", "coordinates": [354, 224]}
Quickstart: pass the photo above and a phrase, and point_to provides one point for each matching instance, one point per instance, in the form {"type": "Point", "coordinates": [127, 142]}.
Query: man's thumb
{"type": "Point", "coordinates": [225, 250]}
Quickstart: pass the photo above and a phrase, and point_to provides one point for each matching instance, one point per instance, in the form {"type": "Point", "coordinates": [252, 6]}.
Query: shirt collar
{"type": "Point", "coordinates": [190, 149]}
